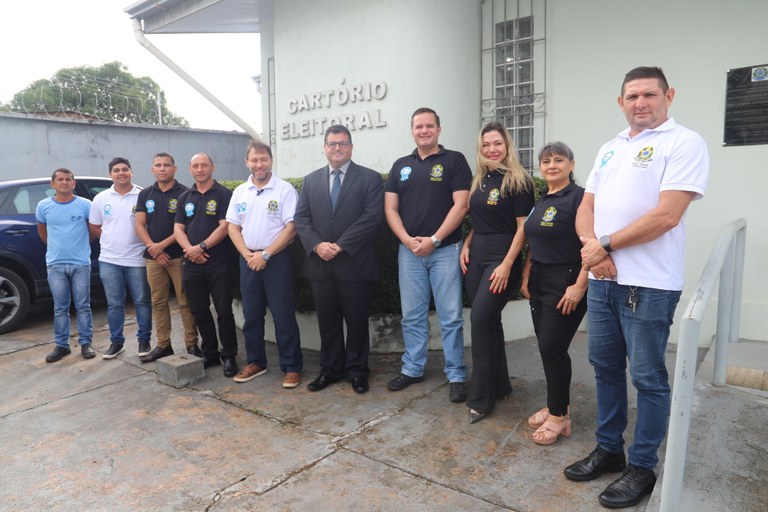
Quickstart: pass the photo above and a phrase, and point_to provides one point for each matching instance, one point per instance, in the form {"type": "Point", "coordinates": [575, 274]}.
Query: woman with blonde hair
{"type": "Point", "coordinates": [500, 198]}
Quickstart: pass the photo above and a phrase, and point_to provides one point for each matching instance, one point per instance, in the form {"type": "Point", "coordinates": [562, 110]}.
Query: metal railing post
{"type": "Point", "coordinates": [724, 311]}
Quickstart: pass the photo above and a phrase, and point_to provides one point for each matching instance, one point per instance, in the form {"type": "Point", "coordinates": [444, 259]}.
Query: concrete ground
{"type": "Point", "coordinates": [105, 435]}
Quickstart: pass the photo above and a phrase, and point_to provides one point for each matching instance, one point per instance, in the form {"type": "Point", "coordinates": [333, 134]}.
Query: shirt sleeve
{"type": "Point", "coordinates": [462, 174]}
{"type": "Point", "coordinates": [94, 216]}
{"type": "Point", "coordinates": [232, 216]}
{"type": "Point", "coordinates": [393, 177]}
{"type": "Point", "coordinates": [40, 212]}
{"type": "Point", "coordinates": [141, 201]}
{"type": "Point", "coordinates": [290, 200]}
{"type": "Point", "coordinates": [687, 168]}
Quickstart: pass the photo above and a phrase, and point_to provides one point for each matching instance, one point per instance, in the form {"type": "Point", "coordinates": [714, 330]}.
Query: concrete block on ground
{"type": "Point", "coordinates": [180, 370]}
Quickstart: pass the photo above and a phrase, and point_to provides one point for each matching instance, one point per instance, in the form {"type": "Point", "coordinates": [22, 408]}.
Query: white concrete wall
{"type": "Point", "coordinates": [592, 44]}
{"type": "Point", "coordinates": [427, 53]}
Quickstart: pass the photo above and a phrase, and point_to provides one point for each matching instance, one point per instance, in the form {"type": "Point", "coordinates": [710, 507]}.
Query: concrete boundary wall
{"type": "Point", "coordinates": [34, 146]}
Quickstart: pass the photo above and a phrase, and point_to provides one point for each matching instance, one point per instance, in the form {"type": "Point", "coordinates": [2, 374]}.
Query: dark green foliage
{"type": "Point", "coordinates": [108, 93]}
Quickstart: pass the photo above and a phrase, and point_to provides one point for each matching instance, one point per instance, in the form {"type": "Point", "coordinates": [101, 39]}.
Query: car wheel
{"type": "Point", "coordinates": [14, 300]}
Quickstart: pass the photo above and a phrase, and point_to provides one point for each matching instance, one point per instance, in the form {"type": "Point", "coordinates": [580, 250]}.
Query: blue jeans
{"type": "Point", "coordinates": [617, 333]}
{"type": "Point", "coordinates": [68, 282]}
{"type": "Point", "coordinates": [115, 278]}
{"type": "Point", "coordinates": [272, 286]}
{"type": "Point", "coordinates": [421, 277]}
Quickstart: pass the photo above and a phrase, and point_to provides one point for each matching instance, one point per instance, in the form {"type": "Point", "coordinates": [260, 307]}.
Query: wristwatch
{"type": "Point", "coordinates": [203, 246]}
{"type": "Point", "coordinates": [436, 241]}
{"type": "Point", "coordinates": [265, 255]}
{"type": "Point", "coordinates": [605, 241]}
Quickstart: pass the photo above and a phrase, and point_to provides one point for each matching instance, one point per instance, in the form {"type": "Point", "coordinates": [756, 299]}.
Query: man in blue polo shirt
{"type": "Point", "coordinates": [62, 222]}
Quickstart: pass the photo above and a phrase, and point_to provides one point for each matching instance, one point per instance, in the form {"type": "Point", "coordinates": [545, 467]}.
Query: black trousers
{"type": "Point", "coordinates": [338, 301]}
{"type": "Point", "coordinates": [201, 282]}
{"type": "Point", "coordinates": [490, 375]}
{"type": "Point", "coordinates": [554, 331]}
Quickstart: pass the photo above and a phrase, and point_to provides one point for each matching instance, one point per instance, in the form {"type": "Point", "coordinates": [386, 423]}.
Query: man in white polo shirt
{"type": "Point", "coordinates": [121, 259]}
{"type": "Point", "coordinates": [261, 226]}
{"type": "Point", "coordinates": [631, 222]}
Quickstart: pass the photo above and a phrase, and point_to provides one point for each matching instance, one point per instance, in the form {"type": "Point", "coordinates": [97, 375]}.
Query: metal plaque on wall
{"type": "Point", "coordinates": [746, 106]}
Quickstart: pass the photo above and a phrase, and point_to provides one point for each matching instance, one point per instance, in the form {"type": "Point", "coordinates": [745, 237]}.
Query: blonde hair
{"type": "Point", "coordinates": [516, 179]}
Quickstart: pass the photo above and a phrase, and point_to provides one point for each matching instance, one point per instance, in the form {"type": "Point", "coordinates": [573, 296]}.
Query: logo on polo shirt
{"type": "Point", "coordinates": [173, 204]}
{"type": "Point", "coordinates": [133, 209]}
{"type": "Point", "coordinates": [210, 207]}
{"type": "Point", "coordinates": [437, 173]}
{"type": "Point", "coordinates": [493, 197]}
{"type": "Point", "coordinates": [189, 209]}
{"type": "Point", "coordinates": [76, 218]}
{"type": "Point", "coordinates": [605, 158]}
{"type": "Point", "coordinates": [643, 157]}
{"type": "Point", "coordinates": [107, 209]}
{"type": "Point", "coordinates": [405, 173]}
{"type": "Point", "coordinates": [241, 208]}
{"type": "Point", "coordinates": [272, 206]}
{"type": "Point", "coordinates": [150, 204]}
{"type": "Point", "coordinates": [548, 217]}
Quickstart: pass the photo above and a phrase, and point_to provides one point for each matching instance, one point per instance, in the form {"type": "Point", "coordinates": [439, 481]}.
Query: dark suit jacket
{"type": "Point", "coordinates": [353, 225]}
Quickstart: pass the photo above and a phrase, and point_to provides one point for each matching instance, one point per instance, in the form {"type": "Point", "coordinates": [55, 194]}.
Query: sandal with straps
{"type": "Point", "coordinates": [538, 418]}
{"type": "Point", "coordinates": [551, 430]}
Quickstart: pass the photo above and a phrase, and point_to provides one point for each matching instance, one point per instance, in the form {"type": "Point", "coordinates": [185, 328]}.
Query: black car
{"type": "Point", "coordinates": [22, 253]}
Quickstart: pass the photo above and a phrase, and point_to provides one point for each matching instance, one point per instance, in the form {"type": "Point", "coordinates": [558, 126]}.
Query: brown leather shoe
{"type": "Point", "coordinates": [291, 380]}
{"type": "Point", "coordinates": [250, 372]}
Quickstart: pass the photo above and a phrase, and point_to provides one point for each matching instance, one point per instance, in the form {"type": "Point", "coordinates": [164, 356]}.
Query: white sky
{"type": "Point", "coordinates": [40, 37]}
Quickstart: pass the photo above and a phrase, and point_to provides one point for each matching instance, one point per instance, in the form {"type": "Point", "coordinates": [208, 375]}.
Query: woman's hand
{"type": "Point", "coordinates": [499, 277]}
{"type": "Point", "coordinates": [524, 288]}
{"type": "Point", "coordinates": [464, 258]}
{"type": "Point", "coordinates": [571, 298]}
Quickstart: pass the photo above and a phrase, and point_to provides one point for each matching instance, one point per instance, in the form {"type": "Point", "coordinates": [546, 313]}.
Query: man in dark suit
{"type": "Point", "coordinates": [340, 208]}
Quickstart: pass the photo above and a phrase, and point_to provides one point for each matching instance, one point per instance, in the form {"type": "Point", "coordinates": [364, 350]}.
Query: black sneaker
{"type": "Point", "coordinates": [87, 352]}
{"type": "Point", "coordinates": [57, 353]}
{"type": "Point", "coordinates": [402, 381]}
{"type": "Point", "coordinates": [144, 348]}
{"type": "Point", "coordinates": [458, 392]}
{"type": "Point", "coordinates": [156, 354]}
{"type": "Point", "coordinates": [113, 351]}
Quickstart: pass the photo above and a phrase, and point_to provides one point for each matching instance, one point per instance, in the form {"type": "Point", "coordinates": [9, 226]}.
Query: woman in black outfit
{"type": "Point", "coordinates": [500, 198]}
{"type": "Point", "coordinates": [555, 283]}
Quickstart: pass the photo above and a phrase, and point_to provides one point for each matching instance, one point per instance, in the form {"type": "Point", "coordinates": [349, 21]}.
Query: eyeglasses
{"type": "Point", "coordinates": [343, 144]}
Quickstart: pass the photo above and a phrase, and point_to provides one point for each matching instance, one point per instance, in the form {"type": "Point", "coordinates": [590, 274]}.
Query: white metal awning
{"type": "Point", "coordinates": [199, 16]}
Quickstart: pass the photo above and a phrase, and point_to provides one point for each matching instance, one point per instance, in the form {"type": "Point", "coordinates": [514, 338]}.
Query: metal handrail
{"type": "Point", "coordinates": [726, 263]}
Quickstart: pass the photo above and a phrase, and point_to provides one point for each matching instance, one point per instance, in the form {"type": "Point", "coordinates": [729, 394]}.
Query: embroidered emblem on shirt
{"type": "Point", "coordinates": [172, 205]}
{"type": "Point", "coordinates": [241, 208]}
{"type": "Point", "coordinates": [437, 173]}
{"type": "Point", "coordinates": [548, 217]}
{"type": "Point", "coordinates": [210, 207]}
{"type": "Point", "coordinates": [272, 206]}
{"type": "Point", "coordinates": [133, 209]}
{"type": "Point", "coordinates": [150, 204]}
{"type": "Point", "coordinates": [493, 197]}
{"type": "Point", "coordinates": [107, 209]}
{"type": "Point", "coordinates": [189, 208]}
{"type": "Point", "coordinates": [645, 154]}
{"type": "Point", "coordinates": [405, 173]}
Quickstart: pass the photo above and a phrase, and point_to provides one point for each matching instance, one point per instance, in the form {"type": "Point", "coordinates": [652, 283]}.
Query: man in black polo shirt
{"type": "Point", "coordinates": [155, 213]}
{"type": "Point", "coordinates": [425, 201]}
{"type": "Point", "coordinates": [201, 231]}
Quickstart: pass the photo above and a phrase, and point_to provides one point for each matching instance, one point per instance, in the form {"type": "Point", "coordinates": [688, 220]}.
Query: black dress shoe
{"type": "Point", "coordinates": [156, 353]}
{"type": "Point", "coordinates": [475, 416]}
{"type": "Point", "coordinates": [87, 352]}
{"type": "Point", "coordinates": [360, 384]}
{"type": "Point", "coordinates": [194, 350]}
{"type": "Point", "coordinates": [595, 464]}
{"type": "Point", "coordinates": [629, 489]}
{"type": "Point", "coordinates": [320, 383]}
{"type": "Point", "coordinates": [212, 360]}
{"type": "Point", "coordinates": [230, 367]}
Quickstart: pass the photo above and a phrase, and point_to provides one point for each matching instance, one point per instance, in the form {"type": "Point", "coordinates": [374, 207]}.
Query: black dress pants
{"type": "Point", "coordinates": [490, 375]}
{"type": "Point", "coordinates": [202, 283]}
{"type": "Point", "coordinates": [338, 302]}
{"type": "Point", "coordinates": [554, 331]}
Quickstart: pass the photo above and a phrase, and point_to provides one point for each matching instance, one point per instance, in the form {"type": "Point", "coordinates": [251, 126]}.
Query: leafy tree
{"type": "Point", "coordinates": [109, 93]}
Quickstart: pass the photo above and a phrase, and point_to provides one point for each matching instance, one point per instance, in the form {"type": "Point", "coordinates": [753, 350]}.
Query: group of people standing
{"type": "Point", "coordinates": [613, 249]}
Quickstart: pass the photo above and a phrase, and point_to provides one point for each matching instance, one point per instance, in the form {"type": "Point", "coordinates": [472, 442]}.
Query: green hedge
{"type": "Point", "coordinates": [386, 296]}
